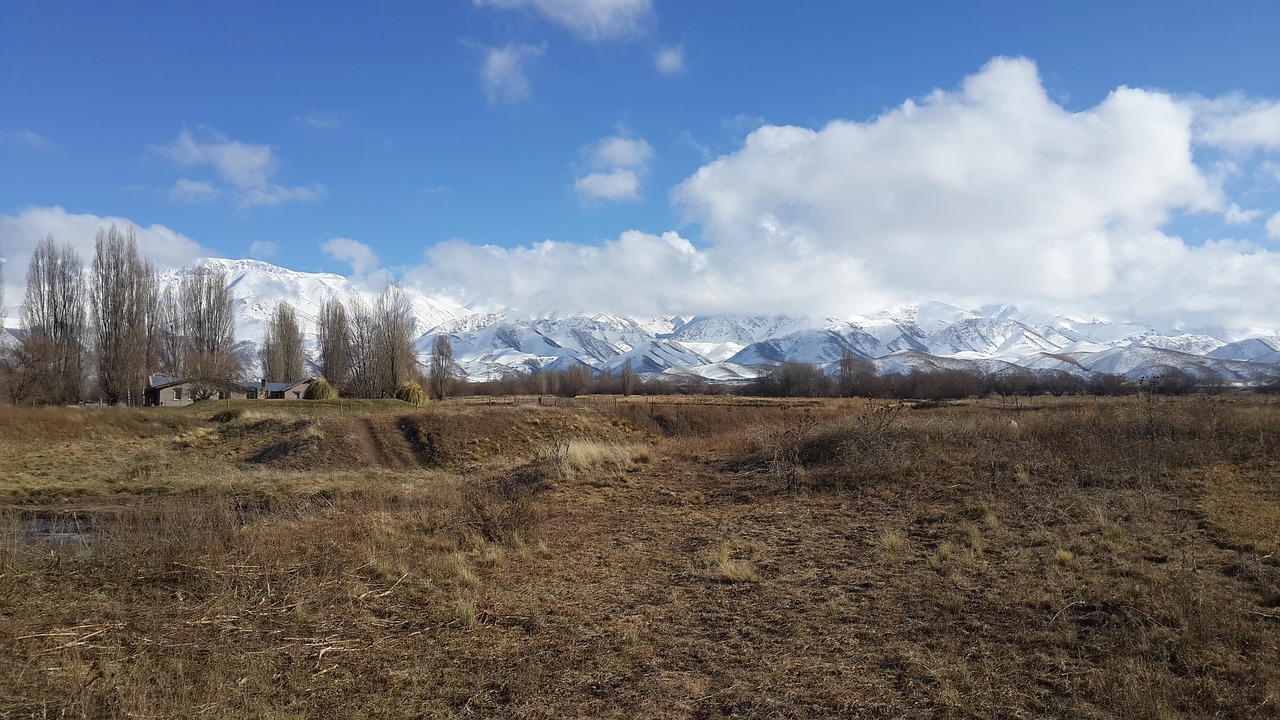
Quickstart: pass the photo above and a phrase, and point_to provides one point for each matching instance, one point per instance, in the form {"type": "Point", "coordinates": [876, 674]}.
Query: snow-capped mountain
{"type": "Point", "coordinates": [926, 336]}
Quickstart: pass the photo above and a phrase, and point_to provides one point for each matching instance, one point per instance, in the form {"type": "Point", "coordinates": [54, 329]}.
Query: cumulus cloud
{"type": "Point", "coordinates": [1239, 124]}
{"type": "Point", "coordinates": [669, 60]}
{"type": "Point", "coordinates": [504, 73]}
{"type": "Point", "coordinates": [1235, 215]}
{"type": "Point", "coordinates": [618, 163]}
{"type": "Point", "coordinates": [588, 19]}
{"type": "Point", "coordinates": [247, 169]}
{"type": "Point", "coordinates": [1273, 227]}
{"type": "Point", "coordinates": [618, 274]}
{"type": "Point", "coordinates": [986, 193]}
{"type": "Point", "coordinates": [360, 256]}
{"type": "Point", "coordinates": [20, 233]}
{"type": "Point", "coordinates": [990, 192]}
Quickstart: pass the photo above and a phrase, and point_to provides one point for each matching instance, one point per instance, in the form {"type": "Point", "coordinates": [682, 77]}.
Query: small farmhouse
{"type": "Point", "coordinates": [167, 391]}
{"type": "Point", "coordinates": [296, 390]}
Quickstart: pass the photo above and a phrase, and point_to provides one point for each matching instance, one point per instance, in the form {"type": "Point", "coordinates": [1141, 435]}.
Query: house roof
{"type": "Point", "coordinates": [279, 386]}
{"type": "Point", "coordinates": [159, 382]}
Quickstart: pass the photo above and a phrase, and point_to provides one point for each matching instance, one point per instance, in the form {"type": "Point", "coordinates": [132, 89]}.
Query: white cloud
{"type": "Point", "coordinates": [504, 74]}
{"type": "Point", "coordinates": [670, 60]}
{"type": "Point", "coordinates": [1234, 215]}
{"type": "Point", "coordinates": [622, 151]}
{"type": "Point", "coordinates": [20, 233]}
{"type": "Point", "coordinates": [263, 249]}
{"type": "Point", "coordinates": [1239, 124]}
{"type": "Point", "coordinates": [359, 255]}
{"type": "Point", "coordinates": [192, 191]}
{"type": "Point", "coordinates": [248, 169]}
{"type": "Point", "coordinates": [638, 272]}
{"type": "Point", "coordinates": [589, 19]}
{"type": "Point", "coordinates": [611, 185]}
{"type": "Point", "coordinates": [992, 192]}
{"type": "Point", "coordinates": [1273, 227]}
{"type": "Point", "coordinates": [618, 163]}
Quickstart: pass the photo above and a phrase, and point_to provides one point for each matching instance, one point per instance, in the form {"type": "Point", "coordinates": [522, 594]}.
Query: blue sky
{"type": "Point", "coordinates": [444, 142]}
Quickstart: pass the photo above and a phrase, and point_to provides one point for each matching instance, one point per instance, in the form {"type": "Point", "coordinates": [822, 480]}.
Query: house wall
{"type": "Point", "coordinates": [166, 397]}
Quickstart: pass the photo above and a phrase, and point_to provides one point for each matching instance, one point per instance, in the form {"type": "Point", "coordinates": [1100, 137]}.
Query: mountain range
{"type": "Point", "coordinates": [726, 348]}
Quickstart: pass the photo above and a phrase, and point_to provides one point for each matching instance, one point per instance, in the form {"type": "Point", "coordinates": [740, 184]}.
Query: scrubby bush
{"type": "Point", "coordinates": [412, 393]}
{"type": "Point", "coordinates": [321, 390]}
{"type": "Point", "coordinates": [794, 379]}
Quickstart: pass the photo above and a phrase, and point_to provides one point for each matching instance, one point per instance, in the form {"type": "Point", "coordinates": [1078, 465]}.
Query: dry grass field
{"type": "Point", "coordinates": [691, 557]}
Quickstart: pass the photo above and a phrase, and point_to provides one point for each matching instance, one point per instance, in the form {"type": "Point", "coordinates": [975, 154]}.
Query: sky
{"type": "Point", "coordinates": [1114, 160]}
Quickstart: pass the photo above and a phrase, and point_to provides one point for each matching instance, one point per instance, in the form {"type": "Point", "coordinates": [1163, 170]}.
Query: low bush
{"type": "Point", "coordinates": [321, 389]}
{"type": "Point", "coordinates": [412, 393]}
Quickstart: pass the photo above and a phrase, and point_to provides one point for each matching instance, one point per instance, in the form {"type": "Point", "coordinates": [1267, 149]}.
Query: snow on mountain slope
{"type": "Point", "coordinates": [256, 288]}
{"type": "Point", "coordinates": [929, 317]}
{"type": "Point", "coordinates": [1249, 349]}
{"type": "Point", "coordinates": [905, 361]}
{"type": "Point", "coordinates": [715, 372]}
{"type": "Point", "coordinates": [929, 335]}
{"type": "Point", "coordinates": [739, 329]}
{"type": "Point", "coordinates": [655, 357]}
{"type": "Point", "coordinates": [1148, 362]}
{"type": "Point", "coordinates": [716, 352]}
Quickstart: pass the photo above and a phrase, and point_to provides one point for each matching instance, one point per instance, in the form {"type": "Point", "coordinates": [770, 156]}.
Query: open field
{"type": "Point", "coordinates": [699, 557]}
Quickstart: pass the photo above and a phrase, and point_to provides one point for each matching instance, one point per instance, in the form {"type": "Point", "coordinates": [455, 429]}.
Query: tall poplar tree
{"type": "Point", "coordinates": [281, 350]}
{"type": "Point", "coordinates": [208, 332]}
{"type": "Point", "coordinates": [51, 355]}
{"type": "Point", "coordinates": [333, 334]}
{"type": "Point", "coordinates": [124, 302]}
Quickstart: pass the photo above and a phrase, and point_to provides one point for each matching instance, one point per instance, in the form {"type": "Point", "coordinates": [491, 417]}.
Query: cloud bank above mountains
{"type": "Point", "coordinates": [993, 192]}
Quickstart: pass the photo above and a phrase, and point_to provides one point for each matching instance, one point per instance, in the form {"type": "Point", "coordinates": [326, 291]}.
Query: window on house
{"type": "Point", "coordinates": [224, 395]}
{"type": "Point", "coordinates": [297, 395]}
{"type": "Point", "coordinates": [177, 394]}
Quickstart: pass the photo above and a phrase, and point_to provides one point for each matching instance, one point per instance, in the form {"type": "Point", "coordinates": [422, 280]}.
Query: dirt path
{"type": "Point", "coordinates": [384, 444]}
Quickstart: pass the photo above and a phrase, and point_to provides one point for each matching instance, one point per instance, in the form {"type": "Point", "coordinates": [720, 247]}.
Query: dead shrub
{"type": "Point", "coordinates": [504, 508]}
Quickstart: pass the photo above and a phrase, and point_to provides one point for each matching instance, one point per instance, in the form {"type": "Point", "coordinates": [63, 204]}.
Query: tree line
{"type": "Point", "coordinates": [103, 333]}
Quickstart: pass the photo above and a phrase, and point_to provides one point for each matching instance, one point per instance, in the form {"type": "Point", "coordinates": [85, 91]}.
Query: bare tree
{"type": "Point", "coordinates": [441, 366]}
{"type": "Point", "coordinates": [380, 341]}
{"type": "Point", "coordinates": [571, 381]}
{"type": "Point", "coordinates": [398, 361]}
{"type": "Point", "coordinates": [208, 330]}
{"type": "Point", "coordinates": [54, 325]}
{"type": "Point", "coordinates": [854, 373]}
{"type": "Point", "coordinates": [362, 345]}
{"type": "Point", "coordinates": [334, 338]}
{"type": "Point", "coordinates": [628, 378]}
{"type": "Point", "coordinates": [123, 292]}
{"type": "Point", "coordinates": [168, 345]}
{"type": "Point", "coordinates": [282, 346]}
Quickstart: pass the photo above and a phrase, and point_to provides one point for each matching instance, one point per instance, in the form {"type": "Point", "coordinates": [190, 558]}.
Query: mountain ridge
{"type": "Point", "coordinates": [923, 336]}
